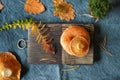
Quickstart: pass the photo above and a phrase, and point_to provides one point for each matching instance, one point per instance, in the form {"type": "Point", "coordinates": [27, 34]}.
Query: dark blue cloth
{"type": "Point", "coordinates": [105, 67]}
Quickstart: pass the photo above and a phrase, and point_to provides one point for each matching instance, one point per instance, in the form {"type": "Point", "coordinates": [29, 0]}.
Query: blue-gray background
{"type": "Point", "coordinates": [105, 67]}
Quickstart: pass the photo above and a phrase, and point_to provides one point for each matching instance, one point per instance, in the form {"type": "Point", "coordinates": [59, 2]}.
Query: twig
{"type": "Point", "coordinates": [71, 68]}
{"type": "Point", "coordinates": [87, 15]}
{"type": "Point", "coordinates": [21, 1]}
{"type": "Point", "coordinates": [48, 59]}
{"type": "Point", "coordinates": [96, 20]}
{"type": "Point", "coordinates": [104, 41]}
{"type": "Point", "coordinates": [103, 44]}
{"type": "Point", "coordinates": [106, 50]}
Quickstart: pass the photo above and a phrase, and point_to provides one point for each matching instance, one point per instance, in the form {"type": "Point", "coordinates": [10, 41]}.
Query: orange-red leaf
{"type": "Point", "coordinates": [51, 50]}
{"type": "Point", "coordinates": [47, 47]}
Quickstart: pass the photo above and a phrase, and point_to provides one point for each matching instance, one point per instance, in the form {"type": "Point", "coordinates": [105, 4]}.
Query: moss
{"type": "Point", "coordinates": [99, 8]}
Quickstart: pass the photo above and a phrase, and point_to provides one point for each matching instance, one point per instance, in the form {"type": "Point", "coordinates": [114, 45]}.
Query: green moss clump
{"type": "Point", "coordinates": [99, 8]}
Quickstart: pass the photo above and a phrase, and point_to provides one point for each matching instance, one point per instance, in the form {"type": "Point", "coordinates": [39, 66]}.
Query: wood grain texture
{"type": "Point", "coordinates": [36, 54]}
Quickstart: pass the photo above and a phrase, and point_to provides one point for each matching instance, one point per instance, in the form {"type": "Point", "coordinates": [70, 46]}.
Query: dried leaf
{"type": "Point", "coordinates": [64, 10]}
{"type": "Point", "coordinates": [34, 7]}
{"type": "Point", "coordinates": [1, 6]}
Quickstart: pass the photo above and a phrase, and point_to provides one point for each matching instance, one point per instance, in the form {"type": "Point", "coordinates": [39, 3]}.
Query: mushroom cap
{"type": "Point", "coordinates": [79, 46]}
{"type": "Point", "coordinates": [10, 68]}
{"type": "Point", "coordinates": [73, 35]}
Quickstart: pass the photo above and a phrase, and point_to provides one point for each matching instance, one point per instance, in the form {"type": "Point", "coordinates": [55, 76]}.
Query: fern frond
{"type": "Point", "coordinates": [42, 27]}
{"type": "Point", "coordinates": [46, 36]}
{"type": "Point", "coordinates": [34, 30]}
{"type": "Point", "coordinates": [42, 37]}
{"type": "Point", "coordinates": [37, 30]}
{"type": "Point", "coordinates": [39, 38]}
{"type": "Point", "coordinates": [44, 31]}
{"type": "Point", "coordinates": [49, 41]}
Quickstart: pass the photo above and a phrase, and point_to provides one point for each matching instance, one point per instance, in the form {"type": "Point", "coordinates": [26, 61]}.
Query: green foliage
{"type": "Point", "coordinates": [99, 8]}
{"type": "Point", "coordinates": [23, 24]}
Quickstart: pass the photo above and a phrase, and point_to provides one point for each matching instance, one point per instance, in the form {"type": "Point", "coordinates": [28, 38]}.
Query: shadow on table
{"type": "Point", "coordinates": [116, 78]}
{"type": "Point", "coordinates": [115, 3]}
{"type": "Point", "coordinates": [97, 40]}
{"type": "Point", "coordinates": [24, 69]}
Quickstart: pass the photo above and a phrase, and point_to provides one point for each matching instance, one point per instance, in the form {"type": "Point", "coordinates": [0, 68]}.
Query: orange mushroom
{"type": "Point", "coordinates": [10, 68]}
{"type": "Point", "coordinates": [75, 40]}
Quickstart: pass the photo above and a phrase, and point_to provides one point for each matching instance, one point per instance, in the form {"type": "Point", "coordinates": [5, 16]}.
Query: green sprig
{"type": "Point", "coordinates": [22, 24]}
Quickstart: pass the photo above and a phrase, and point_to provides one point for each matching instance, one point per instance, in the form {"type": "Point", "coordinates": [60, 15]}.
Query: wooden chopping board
{"type": "Point", "coordinates": [36, 54]}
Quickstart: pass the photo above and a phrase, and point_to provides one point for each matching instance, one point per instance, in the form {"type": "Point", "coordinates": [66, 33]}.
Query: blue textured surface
{"type": "Point", "coordinates": [104, 67]}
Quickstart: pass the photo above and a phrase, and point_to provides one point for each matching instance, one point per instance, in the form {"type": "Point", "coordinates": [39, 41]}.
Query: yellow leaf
{"type": "Point", "coordinates": [38, 38]}
{"type": "Point", "coordinates": [22, 26]}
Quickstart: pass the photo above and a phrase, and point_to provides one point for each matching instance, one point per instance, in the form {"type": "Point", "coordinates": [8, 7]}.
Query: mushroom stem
{"type": "Point", "coordinates": [79, 46]}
